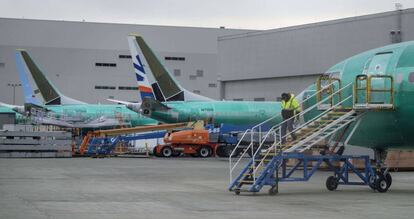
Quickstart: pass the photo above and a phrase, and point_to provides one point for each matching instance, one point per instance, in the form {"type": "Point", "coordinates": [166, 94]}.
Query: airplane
{"type": "Point", "coordinates": [65, 111]}
{"type": "Point", "coordinates": [167, 101]}
{"type": "Point", "coordinates": [365, 100]}
{"type": "Point", "coordinates": [377, 84]}
{"type": "Point", "coordinates": [391, 69]}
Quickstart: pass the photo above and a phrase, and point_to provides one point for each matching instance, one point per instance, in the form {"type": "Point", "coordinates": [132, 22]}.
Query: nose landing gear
{"type": "Point", "coordinates": [382, 181]}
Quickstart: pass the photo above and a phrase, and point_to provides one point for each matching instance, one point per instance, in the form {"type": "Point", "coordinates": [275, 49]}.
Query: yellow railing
{"type": "Point", "coordinates": [368, 89]}
{"type": "Point", "coordinates": [330, 89]}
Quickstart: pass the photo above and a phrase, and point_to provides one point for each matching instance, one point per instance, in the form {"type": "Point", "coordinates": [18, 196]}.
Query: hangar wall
{"type": "Point", "coordinates": [67, 52]}
{"type": "Point", "coordinates": [286, 59]}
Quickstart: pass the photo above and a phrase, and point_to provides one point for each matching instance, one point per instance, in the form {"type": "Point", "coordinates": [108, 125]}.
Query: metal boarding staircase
{"type": "Point", "coordinates": [263, 168]}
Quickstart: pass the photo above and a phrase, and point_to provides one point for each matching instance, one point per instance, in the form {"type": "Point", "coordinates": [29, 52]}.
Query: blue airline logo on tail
{"type": "Point", "coordinates": [144, 90]}
{"type": "Point", "coordinates": [140, 68]}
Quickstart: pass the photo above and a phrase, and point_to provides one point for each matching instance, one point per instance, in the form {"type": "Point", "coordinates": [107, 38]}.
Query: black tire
{"type": "Point", "coordinates": [221, 151]}
{"type": "Point", "coordinates": [167, 151]}
{"type": "Point", "coordinates": [273, 190]}
{"type": "Point", "coordinates": [154, 152]}
{"type": "Point", "coordinates": [176, 153]}
{"type": "Point", "coordinates": [389, 179]}
{"type": "Point", "coordinates": [383, 183]}
{"type": "Point", "coordinates": [237, 191]}
{"type": "Point", "coordinates": [204, 152]}
{"type": "Point", "coordinates": [332, 183]}
{"type": "Point", "coordinates": [372, 182]}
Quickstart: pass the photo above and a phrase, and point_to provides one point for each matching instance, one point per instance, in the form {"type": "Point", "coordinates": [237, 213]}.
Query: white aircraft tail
{"type": "Point", "coordinates": [154, 80]}
{"type": "Point", "coordinates": [49, 92]}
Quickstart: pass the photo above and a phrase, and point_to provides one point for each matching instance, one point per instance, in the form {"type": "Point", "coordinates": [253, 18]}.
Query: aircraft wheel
{"type": "Point", "coordinates": [332, 183]}
{"type": "Point", "coordinates": [372, 182]}
{"type": "Point", "coordinates": [166, 151]}
{"type": "Point", "coordinates": [204, 151]}
{"type": "Point", "coordinates": [383, 183]}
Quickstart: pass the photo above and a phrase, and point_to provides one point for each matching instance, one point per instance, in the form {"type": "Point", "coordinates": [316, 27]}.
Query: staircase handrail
{"type": "Point", "coordinates": [307, 123]}
{"type": "Point", "coordinates": [232, 167]}
{"type": "Point", "coordinates": [303, 125]}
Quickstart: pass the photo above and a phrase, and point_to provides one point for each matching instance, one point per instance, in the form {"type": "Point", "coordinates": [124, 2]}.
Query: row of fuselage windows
{"type": "Point", "coordinates": [102, 87]}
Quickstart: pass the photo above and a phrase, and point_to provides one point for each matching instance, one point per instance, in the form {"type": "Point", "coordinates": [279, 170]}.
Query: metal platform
{"type": "Point", "coordinates": [276, 170]}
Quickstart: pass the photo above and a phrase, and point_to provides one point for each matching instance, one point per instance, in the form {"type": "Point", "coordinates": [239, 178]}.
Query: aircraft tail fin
{"type": "Point", "coordinates": [50, 94]}
{"type": "Point", "coordinates": [29, 96]}
{"type": "Point", "coordinates": [164, 87]}
{"type": "Point", "coordinates": [141, 73]}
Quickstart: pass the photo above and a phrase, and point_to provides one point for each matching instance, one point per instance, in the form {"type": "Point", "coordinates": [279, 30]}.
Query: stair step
{"type": "Point", "coordinates": [325, 120]}
{"type": "Point", "coordinates": [265, 160]}
{"type": "Point", "coordinates": [247, 181]}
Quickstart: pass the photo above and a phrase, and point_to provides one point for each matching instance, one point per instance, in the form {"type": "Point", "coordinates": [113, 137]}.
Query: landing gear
{"type": "Point", "coordinates": [383, 180]}
{"type": "Point", "coordinates": [383, 183]}
{"type": "Point", "coordinates": [332, 183]}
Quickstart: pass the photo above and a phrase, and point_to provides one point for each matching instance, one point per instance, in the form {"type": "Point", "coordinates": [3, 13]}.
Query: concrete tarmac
{"type": "Point", "coordinates": [179, 188]}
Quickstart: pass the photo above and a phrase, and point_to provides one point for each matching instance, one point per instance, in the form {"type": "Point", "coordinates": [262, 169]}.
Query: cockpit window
{"type": "Point", "coordinates": [411, 77]}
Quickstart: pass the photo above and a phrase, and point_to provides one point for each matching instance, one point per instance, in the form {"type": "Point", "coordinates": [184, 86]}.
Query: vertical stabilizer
{"type": "Point", "coordinates": [141, 72]}
{"type": "Point", "coordinates": [49, 92]}
{"type": "Point", "coordinates": [164, 86]}
{"type": "Point", "coordinates": [29, 96]}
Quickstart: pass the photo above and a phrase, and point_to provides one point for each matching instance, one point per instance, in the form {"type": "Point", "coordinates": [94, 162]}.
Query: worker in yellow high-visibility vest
{"type": "Point", "coordinates": [290, 107]}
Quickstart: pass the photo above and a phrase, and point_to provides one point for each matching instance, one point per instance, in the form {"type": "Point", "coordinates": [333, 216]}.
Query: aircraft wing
{"type": "Point", "coordinates": [15, 108]}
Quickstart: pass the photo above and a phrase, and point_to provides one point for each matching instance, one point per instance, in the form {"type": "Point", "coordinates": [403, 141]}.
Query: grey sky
{"type": "Point", "coordinates": [247, 14]}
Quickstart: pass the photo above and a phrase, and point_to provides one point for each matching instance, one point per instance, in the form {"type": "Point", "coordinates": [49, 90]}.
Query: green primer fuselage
{"type": "Point", "coordinates": [88, 112]}
{"type": "Point", "coordinates": [384, 129]}
{"type": "Point", "coordinates": [237, 113]}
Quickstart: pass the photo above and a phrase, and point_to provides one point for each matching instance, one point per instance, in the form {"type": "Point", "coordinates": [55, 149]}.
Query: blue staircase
{"type": "Point", "coordinates": [268, 163]}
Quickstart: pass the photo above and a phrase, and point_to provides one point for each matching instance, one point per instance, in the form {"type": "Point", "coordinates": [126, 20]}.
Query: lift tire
{"type": "Point", "coordinates": [221, 151]}
{"type": "Point", "coordinates": [383, 183]}
{"type": "Point", "coordinates": [332, 183]}
{"type": "Point", "coordinates": [229, 149]}
{"type": "Point", "coordinates": [154, 152]}
{"type": "Point", "coordinates": [204, 151]}
{"type": "Point", "coordinates": [176, 153]}
{"type": "Point", "coordinates": [167, 151]}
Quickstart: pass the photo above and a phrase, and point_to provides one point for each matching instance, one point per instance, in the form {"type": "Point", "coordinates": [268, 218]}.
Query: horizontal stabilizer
{"type": "Point", "coordinates": [130, 105]}
{"type": "Point", "coordinates": [150, 105]}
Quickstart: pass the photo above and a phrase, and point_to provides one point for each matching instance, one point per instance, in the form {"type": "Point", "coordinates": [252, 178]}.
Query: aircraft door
{"type": "Point", "coordinates": [378, 66]}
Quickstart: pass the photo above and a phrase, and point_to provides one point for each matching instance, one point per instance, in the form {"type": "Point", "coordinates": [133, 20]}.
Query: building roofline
{"type": "Point", "coordinates": [317, 24]}
{"type": "Point", "coordinates": [116, 23]}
